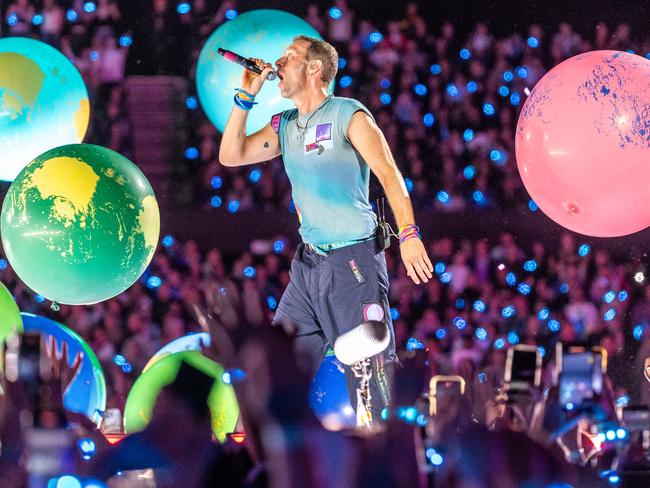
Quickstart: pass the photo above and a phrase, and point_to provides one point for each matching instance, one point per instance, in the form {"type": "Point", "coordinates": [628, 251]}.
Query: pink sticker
{"type": "Point", "coordinates": [373, 311]}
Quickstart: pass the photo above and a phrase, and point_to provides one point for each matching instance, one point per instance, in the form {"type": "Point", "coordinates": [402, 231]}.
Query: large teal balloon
{"type": "Point", "coordinates": [263, 34]}
{"type": "Point", "coordinates": [43, 102]}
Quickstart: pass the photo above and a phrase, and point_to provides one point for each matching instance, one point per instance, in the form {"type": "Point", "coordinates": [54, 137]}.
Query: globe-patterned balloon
{"type": "Point", "coordinates": [263, 34]}
{"type": "Point", "coordinates": [43, 102]}
{"type": "Point", "coordinates": [583, 143]}
{"type": "Point", "coordinates": [10, 321]}
{"type": "Point", "coordinates": [80, 224]}
{"type": "Point", "coordinates": [329, 398]}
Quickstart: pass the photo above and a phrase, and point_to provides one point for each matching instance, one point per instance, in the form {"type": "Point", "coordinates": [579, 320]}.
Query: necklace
{"type": "Point", "coordinates": [302, 130]}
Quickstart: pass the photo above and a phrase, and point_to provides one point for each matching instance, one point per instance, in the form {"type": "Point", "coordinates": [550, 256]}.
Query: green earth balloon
{"type": "Point", "coordinates": [80, 224]}
{"type": "Point", "coordinates": [264, 34]}
{"type": "Point", "coordinates": [142, 397]}
{"type": "Point", "coordinates": [43, 102]}
{"type": "Point", "coordinates": [11, 322]}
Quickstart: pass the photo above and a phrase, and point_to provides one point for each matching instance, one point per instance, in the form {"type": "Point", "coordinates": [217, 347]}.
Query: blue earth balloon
{"type": "Point", "coordinates": [86, 393]}
{"type": "Point", "coordinates": [43, 102]}
{"type": "Point", "coordinates": [329, 398]}
{"type": "Point", "coordinates": [263, 34]}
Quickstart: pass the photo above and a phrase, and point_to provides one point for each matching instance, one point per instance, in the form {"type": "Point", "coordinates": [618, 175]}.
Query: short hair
{"type": "Point", "coordinates": [325, 53]}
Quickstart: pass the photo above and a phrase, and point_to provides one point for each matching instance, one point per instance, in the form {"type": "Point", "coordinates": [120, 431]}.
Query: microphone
{"type": "Point", "coordinates": [362, 342]}
{"type": "Point", "coordinates": [245, 63]}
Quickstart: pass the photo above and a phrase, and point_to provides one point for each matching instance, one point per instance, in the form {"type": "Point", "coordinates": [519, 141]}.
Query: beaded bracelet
{"type": "Point", "coordinates": [407, 232]}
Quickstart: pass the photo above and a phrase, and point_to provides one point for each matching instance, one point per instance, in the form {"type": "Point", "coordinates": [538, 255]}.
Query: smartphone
{"type": "Point", "coordinates": [636, 417]}
{"type": "Point", "coordinates": [581, 377]}
{"type": "Point", "coordinates": [444, 390]}
{"type": "Point", "coordinates": [523, 367]}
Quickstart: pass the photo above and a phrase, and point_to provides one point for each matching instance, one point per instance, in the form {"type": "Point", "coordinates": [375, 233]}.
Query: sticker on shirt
{"type": "Point", "coordinates": [319, 138]}
{"type": "Point", "coordinates": [373, 311]}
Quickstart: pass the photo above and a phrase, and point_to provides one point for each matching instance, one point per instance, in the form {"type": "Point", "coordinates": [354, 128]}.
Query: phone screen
{"type": "Point", "coordinates": [580, 378]}
{"type": "Point", "coordinates": [636, 417]}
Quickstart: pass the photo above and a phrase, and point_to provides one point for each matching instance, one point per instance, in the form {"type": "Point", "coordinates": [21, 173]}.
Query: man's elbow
{"type": "Point", "coordinates": [227, 159]}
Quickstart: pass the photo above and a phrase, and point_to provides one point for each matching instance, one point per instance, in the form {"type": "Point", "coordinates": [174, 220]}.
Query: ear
{"type": "Point", "coordinates": [314, 66]}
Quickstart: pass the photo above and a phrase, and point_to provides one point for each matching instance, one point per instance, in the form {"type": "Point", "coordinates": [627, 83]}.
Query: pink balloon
{"type": "Point", "coordinates": [583, 143]}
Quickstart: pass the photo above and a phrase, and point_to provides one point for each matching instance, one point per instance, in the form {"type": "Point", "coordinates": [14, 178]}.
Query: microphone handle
{"type": "Point", "coordinates": [244, 62]}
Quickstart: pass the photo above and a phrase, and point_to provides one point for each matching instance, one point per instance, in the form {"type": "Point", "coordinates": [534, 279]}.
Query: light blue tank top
{"type": "Point", "coordinates": [329, 178]}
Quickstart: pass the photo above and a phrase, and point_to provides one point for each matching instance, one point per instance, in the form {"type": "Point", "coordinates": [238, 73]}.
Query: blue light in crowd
{"type": "Point", "coordinates": [191, 103]}
{"type": "Point", "coordinates": [621, 433]}
{"type": "Point", "coordinates": [71, 15]}
{"type": "Point", "coordinates": [385, 98]}
{"type": "Point", "coordinates": [508, 311]}
{"type": "Point", "coordinates": [610, 435]}
{"type": "Point", "coordinates": [428, 119]}
{"type": "Point", "coordinates": [231, 14]}
{"type": "Point", "coordinates": [637, 331]}
{"type": "Point", "coordinates": [12, 19]}
{"type": "Point", "coordinates": [570, 406]}
{"type": "Point", "coordinates": [614, 478]}
{"type": "Point", "coordinates": [532, 206]}
{"type": "Point", "coordinates": [408, 182]}
{"type": "Point", "coordinates": [543, 314]}
{"type": "Point", "coordinates": [127, 368]}
{"type": "Point", "coordinates": [376, 37]}
{"type": "Point", "coordinates": [465, 54]}
{"type": "Point", "coordinates": [342, 63]}
{"type": "Point", "coordinates": [495, 155]}
{"type": "Point", "coordinates": [87, 447]}
{"type": "Point", "coordinates": [499, 343]}
{"type": "Point", "coordinates": [250, 271]}
{"type": "Point", "coordinates": [459, 323]}
{"type": "Point", "coordinates": [436, 69]}
{"type": "Point", "coordinates": [226, 378]}
{"type": "Point", "coordinates": [472, 86]}
{"type": "Point", "coordinates": [421, 420]}
{"type": "Point", "coordinates": [622, 401]}
{"type": "Point", "coordinates": [154, 282]}
{"type": "Point", "coordinates": [533, 42]}
{"type": "Point", "coordinates": [622, 296]}
{"type": "Point", "coordinates": [584, 250]}
{"type": "Point", "coordinates": [542, 350]}
{"type": "Point", "coordinates": [436, 459]}
{"type": "Point", "coordinates": [420, 90]}
{"type": "Point", "coordinates": [513, 337]}
{"type": "Point", "coordinates": [385, 84]}
{"type": "Point", "coordinates": [511, 279]}
{"type": "Point", "coordinates": [478, 197]}
{"type": "Point", "coordinates": [488, 109]}
{"type": "Point", "coordinates": [271, 302]}
{"type": "Point", "coordinates": [609, 315]}
{"type": "Point", "coordinates": [3, 264]}
{"type": "Point", "coordinates": [439, 268]}
{"type": "Point", "coordinates": [564, 288]}
{"type": "Point", "coordinates": [345, 82]}
{"type": "Point", "coordinates": [504, 90]}
{"type": "Point", "coordinates": [507, 76]}
{"type": "Point", "coordinates": [68, 481]}
{"type": "Point", "coordinates": [119, 360]}
{"type": "Point", "coordinates": [39, 298]}
{"type": "Point", "coordinates": [168, 241]}
{"type": "Point", "coordinates": [523, 288]}
{"type": "Point", "coordinates": [631, 51]}
{"type": "Point", "coordinates": [515, 98]}
{"type": "Point", "coordinates": [522, 72]}
{"type": "Point", "coordinates": [443, 196]}
{"type": "Point", "coordinates": [479, 306]}
{"type": "Point", "coordinates": [452, 91]}
{"type": "Point", "coordinates": [460, 303]}
{"type": "Point", "coordinates": [93, 56]}
{"type": "Point", "coordinates": [481, 333]}
{"type": "Point", "coordinates": [255, 175]}
{"type": "Point", "coordinates": [468, 135]}
{"type": "Point", "coordinates": [445, 277]}
{"type": "Point", "coordinates": [216, 182]}
{"type": "Point", "coordinates": [233, 206]}
{"type": "Point", "coordinates": [469, 172]}
{"type": "Point", "coordinates": [191, 153]}
{"type": "Point", "coordinates": [37, 19]}
{"type": "Point", "coordinates": [609, 296]}
{"type": "Point", "coordinates": [183, 8]}
{"type": "Point", "coordinates": [647, 55]}
{"type": "Point", "coordinates": [394, 313]}
{"type": "Point", "coordinates": [441, 333]}
{"type": "Point", "coordinates": [553, 325]}
{"type": "Point", "coordinates": [126, 41]}
{"type": "Point", "coordinates": [413, 344]}
{"type": "Point", "coordinates": [216, 201]}
{"type": "Point", "coordinates": [335, 13]}
{"type": "Point", "coordinates": [278, 246]}
{"type": "Point", "coordinates": [90, 7]}
{"type": "Point", "coordinates": [530, 265]}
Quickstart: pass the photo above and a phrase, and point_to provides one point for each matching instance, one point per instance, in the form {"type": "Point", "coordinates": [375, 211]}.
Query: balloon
{"type": "Point", "coordinates": [11, 322]}
{"type": "Point", "coordinates": [329, 398]}
{"type": "Point", "coordinates": [583, 143]}
{"type": "Point", "coordinates": [80, 224]}
{"type": "Point", "coordinates": [145, 391]}
{"type": "Point", "coordinates": [87, 391]}
{"type": "Point", "coordinates": [43, 102]}
{"type": "Point", "coordinates": [263, 34]}
{"type": "Point", "coordinates": [190, 342]}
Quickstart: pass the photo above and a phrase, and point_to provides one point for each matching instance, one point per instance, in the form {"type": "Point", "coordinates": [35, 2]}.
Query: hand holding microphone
{"type": "Point", "coordinates": [256, 71]}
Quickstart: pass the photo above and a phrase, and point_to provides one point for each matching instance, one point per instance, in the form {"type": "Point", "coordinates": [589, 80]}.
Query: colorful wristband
{"type": "Point", "coordinates": [407, 232]}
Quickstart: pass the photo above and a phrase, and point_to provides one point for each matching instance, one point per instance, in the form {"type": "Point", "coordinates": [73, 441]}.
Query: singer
{"type": "Point", "coordinates": [329, 145]}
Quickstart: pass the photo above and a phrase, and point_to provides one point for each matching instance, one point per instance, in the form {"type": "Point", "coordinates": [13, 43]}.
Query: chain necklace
{"type": "Point", "coordinates": [302, 130]}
